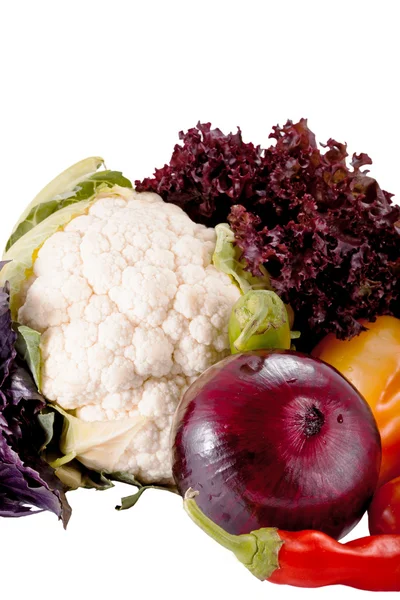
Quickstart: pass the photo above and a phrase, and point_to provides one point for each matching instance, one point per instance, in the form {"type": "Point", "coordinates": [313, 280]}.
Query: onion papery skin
{"type": "Point", "coordinates": [276, 439]}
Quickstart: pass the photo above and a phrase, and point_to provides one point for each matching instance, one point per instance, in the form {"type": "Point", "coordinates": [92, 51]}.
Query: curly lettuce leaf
{"type": "Point", "coordinates": [326, 231]}
{"type": "Point", "coordinates": [27, 483]}
{"type": "Point", "coordinates": [227, 259]}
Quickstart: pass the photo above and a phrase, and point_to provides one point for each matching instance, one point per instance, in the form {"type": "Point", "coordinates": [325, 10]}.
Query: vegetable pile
{"type": "Point", "coordinates": [327, 234]}
{"type": "Point", "coordinates": [129, 308]}
{"type": "Point", "coordinates": [152, 336]}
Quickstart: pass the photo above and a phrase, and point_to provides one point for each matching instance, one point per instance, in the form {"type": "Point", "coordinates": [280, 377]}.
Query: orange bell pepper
{"type": "Point", "coordinates": [371, 362]}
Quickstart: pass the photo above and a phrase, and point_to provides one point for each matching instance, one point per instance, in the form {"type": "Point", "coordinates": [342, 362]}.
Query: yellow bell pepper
{"type": "Point", "coordinates": [371, 362]}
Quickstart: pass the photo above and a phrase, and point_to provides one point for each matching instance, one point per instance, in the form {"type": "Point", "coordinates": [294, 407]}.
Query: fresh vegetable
{"type": "Point", "coordinates": [227, 258]}
{"type": "Point", "coordinates": [28, 347]}
{"type": "Point", "coordinates": [309, 558]}
{"type": "Point", "coordinates": [276, 438]}
{"type": "Point", "coordinates": [69, 195]}
{"type": "Point", "coordinates": [130, 310]}
{"type": "Point", "coordinates": [27, 483]}
{"type": "Point", "coordinates": [259, 320]}
{"type": "Point", "coordinates": [371, 361]}
{"type": "Point", "coordinates": [384, 511]}
{"type": "Point", "coordinates": [325, 231]}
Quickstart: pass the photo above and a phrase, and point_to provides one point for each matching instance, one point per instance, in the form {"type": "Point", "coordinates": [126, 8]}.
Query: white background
{"type": "Point", "coordinates": [119, 80]}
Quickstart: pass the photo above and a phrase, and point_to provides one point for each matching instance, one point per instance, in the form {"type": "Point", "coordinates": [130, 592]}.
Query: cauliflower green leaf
{"type": "Point", "coordinates": [21, 256]}
{"type": "Point", "coordinates": [68, 196]}
{"type": "Point", "coordinates": [75, 184]}
{"type": "Point", "coordinates": [65, 181]}
{"type": "Point", "coordinates": [81, 444]}
{"type": "Point", "coordinates": [130, 501]}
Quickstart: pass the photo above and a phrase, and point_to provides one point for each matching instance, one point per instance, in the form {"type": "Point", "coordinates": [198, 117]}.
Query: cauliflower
{"type": "Point", "coordinates": [131, 310]}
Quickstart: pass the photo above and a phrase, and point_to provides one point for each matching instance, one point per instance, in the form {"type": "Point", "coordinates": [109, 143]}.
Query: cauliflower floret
{"type": "Point", "coordinates": [131, 311]}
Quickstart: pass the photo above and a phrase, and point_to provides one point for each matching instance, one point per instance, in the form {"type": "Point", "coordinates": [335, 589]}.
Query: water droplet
{"type": "Point", "coordinates": [340, 419]}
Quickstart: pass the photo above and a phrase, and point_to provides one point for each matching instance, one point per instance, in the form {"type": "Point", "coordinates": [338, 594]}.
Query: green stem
{"type": "Point", "coordinates": [259, 320]}
{"type": "Point", "coordinates": [252, 325]}
{"type": "Point", "coordinates": [257, 550]}
{"type": "Point", "coordinates": [243, 546]}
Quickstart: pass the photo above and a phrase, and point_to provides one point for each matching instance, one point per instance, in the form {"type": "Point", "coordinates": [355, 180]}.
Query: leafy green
{"type": "Point", "coordinates": [64, 182]}
{"type": "Point", "coordinates": [112, 178]}
{"type": "Point", "coordinates": [82, 191]}
{"type": "Point", "coordinates": [259, 320]}
{"type": "Point", "coordinates": [22, 254]}
{"type": "Point", "coordinates": [68, 196]}
{"type": "Point", "coordinates": [130, 501]}
{"type": "Point", "coordinates": [227, 259]}
{"type": "Point", "coordinates": [75, 475]}
{"type": "Point", "coordinates": [28, 347]}
{"type": "Point", "coordinates": [46, 419]}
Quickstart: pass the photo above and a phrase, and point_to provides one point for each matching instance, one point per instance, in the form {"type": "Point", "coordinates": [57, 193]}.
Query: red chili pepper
{"type": "Point", "coordinates": [309, 558]}
{"type": "Point", "coordinates": [313, 559]}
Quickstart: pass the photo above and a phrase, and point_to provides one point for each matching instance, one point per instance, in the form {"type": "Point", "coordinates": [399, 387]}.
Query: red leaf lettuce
{"type": "Point", "coordinates": [328, 235]}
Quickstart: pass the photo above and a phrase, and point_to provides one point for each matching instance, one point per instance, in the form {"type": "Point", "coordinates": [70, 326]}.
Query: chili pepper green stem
{"type": "Point", "coordinates": [257, 550]}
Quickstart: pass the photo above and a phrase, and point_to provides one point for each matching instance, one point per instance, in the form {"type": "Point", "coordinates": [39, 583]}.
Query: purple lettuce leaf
{"type": "Point", "coordinates": [325, 231]}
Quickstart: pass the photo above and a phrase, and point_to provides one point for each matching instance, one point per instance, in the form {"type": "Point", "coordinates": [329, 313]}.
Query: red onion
{"type": "Point", "coordinates": [277, 438]}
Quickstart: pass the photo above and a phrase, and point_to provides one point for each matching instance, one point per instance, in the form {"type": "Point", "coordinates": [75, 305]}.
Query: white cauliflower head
{"type": "Point", "coordinates": [131, 310]}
